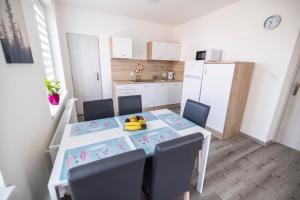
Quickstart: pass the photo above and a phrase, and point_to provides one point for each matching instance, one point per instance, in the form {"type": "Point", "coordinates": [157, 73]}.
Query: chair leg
{"type": "Point", "coordinates": [186, 196]}
{"type": "Point", "coordinates": [198, 158]}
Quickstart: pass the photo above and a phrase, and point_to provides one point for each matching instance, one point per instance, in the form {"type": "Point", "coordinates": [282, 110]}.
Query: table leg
{"type": "Point", "coordinates": [202, 162]}
{"type": "Point", "coordinates": [186, 196]}
{"type": "Point", "coordinates": [53, 193]}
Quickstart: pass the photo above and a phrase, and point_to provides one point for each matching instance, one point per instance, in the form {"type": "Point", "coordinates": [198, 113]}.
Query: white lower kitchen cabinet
{"type": "Point", "coordinates": [175, 92]}
{"type": "Point", "coordinates": [153, 94]}
{"type": "Point", "coordinates": [160, 95]}
{"type": "Point", "coordinates": [146, 91]}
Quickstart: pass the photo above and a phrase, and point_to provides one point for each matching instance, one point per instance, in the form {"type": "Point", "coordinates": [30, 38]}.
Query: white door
{"type": "Point", "coordinates": [215, 92]}
{"type": "Point", "coordinates": [159, 50]}
{"type": "Point", "coordinates": [289, 131]}
{"type": "Point", "coordinates": [85, 66]}
{"type": "Point", "coordinates": [173, 51]}
{"type": "Point", "coordinates": [190, 90]}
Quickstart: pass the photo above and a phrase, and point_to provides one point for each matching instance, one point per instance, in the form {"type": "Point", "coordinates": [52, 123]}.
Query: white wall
{"type": "Point", "coordinates": [81, 21]}
{"type": "Point", "coordinates": [238, 31]}
{"type": "Point", "coordinates": [26, 125]}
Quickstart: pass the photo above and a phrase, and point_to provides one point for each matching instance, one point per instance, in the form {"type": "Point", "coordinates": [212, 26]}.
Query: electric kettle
{"type": "Point", "coordinates": [170, 75]}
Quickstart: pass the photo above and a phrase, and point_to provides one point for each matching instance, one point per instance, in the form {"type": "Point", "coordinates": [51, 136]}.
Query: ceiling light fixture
{"type": "Point", "coordinates": [152, 1]}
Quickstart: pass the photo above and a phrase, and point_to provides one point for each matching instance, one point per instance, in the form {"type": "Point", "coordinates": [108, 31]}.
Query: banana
{"type": "Point", "coordinates": [135, 125]}
{"type": "Point", "coordinates": [132, 128]}
{"type": "Point", "coordinates": [132, 124]}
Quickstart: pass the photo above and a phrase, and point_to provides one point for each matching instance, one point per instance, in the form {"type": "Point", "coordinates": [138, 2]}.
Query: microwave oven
{"type": "Point", "coordinates": [209, 55]}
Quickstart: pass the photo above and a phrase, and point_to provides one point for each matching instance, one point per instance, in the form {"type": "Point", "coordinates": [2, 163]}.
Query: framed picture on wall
{"type": "Point", "coordinates": [13, 34]}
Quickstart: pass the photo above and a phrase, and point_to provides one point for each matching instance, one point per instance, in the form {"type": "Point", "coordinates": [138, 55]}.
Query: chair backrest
{"type": "Point", "coordinates": [98, 109]}
{"type": "Point", "coordinates": [196, 112]}
{"type": "Point", "coordinates": [130, 104]}
{"type": "Point", "coordinates": [113, 178]}
{"type": "Point", "coordinates": [172, 166]}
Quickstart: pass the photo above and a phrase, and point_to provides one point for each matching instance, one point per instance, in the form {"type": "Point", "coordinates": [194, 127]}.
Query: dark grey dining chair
{"type": "Point", "coordinates": [130, 104]}
{"type": "Point", "coordinates": [98, 109]}
{"type": "Point", "coordinates": [196, 112]}
{"type": "Point", "coordinates": [168, 174]}
{"type": "Point", "coordinates": [114, 178]}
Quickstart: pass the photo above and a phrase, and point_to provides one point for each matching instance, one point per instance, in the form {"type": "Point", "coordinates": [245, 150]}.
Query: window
{"type": "Point", "coordinates": [44, 38]}
{"type": "Point", "coordinates": [50, 49]}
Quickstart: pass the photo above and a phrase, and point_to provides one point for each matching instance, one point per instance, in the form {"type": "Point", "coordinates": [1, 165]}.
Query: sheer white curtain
{"type": "Point", "coordinates": [1, 180]}
{"type": "Point", "coordinates": [44, 38]}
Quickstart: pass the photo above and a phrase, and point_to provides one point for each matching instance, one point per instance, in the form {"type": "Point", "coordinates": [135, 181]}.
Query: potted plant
{"type": "Point", "coordinates": [139, 68]}
{"type": "Point", "coordinates": [53, 88]}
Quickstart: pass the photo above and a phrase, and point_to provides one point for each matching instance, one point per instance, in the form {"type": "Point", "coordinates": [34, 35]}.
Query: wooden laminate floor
{"type": "Point", "coordinates": [242, 169]}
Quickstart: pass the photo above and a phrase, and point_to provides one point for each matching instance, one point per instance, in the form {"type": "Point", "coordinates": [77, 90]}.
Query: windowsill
{"type": "Point", "coordinates": [54, 109]}
{"type": "Point", "coordinates": [7, 192]}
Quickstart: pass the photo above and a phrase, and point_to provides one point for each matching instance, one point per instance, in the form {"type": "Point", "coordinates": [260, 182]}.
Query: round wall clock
{"type": "Point", "coordinates": [272, 22]}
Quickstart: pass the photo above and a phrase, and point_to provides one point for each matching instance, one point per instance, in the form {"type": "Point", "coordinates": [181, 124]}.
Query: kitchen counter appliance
{"type": "Point", "coordinates": [171, 75]}
{"type": "Point", "coordinates": [209, 55]}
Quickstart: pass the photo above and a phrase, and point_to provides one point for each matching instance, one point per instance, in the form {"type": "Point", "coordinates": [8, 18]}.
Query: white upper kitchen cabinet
{"type": "Point", "coordinates": [121, 47]}
{"type": "Point", "coordinates": [215, 92]}
{"type": "Point", "coordinates": [159, 51]}
{"type": "Point", "coordinates": [173, 51]}
{"type": "Point", "coordinates": [163, 51]}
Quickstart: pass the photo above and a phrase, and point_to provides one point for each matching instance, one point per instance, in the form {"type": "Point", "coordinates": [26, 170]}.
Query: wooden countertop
{"type": "Point", "coordinates": [122, 82]}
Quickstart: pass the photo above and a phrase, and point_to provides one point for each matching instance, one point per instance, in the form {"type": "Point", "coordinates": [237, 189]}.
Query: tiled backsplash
{"type": "Point", "coordinates": [121, 68]}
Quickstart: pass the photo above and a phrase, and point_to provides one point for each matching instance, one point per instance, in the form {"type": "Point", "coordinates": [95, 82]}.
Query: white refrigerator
{"type": "Point", "coordinates": [192, 80]}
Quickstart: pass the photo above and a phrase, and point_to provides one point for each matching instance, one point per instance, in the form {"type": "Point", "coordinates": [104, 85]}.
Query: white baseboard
{"type": "Point", "coordinates": [257, 140]}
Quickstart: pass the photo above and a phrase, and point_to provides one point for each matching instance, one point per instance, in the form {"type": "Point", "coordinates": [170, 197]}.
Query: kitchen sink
{"type": "Point", "coordinates": [148, 81]}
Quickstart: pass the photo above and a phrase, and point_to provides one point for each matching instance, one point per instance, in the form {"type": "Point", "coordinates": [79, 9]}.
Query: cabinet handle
{"type": "Point", "coordinates": [296, 88]}
{"type": "Point", "coordinates": [97, 76]}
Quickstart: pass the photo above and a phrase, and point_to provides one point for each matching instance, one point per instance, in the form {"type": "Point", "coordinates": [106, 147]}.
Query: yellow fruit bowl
{"type": "Point", "coordinates": [135, 123]}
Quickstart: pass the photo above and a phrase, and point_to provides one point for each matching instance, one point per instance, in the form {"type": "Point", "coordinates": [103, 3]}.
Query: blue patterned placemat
{"type": "Point", "coordinates": [176, 122]}
{"type": "Point", "coordinates": [89, 153]}
{"type": "Point", "coordinates": [148, 139]}
{"type": "Point", "coordinates": [146, 115]}
{"type": "Point", "coordinates": [82, 128]}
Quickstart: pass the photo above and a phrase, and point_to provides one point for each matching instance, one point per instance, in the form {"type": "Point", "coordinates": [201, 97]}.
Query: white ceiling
{"type": "Point", "coordinates": [172, 12]}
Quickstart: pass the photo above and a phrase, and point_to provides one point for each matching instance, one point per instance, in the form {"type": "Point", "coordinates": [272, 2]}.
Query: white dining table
{"type": "Point", "coordinates": [57, 186]}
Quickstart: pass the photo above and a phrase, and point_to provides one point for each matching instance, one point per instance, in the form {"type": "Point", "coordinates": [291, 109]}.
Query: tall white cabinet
{"type": "Point", "coordinates": [216, 87]}
{"type": "Point", "coordinates": [225, 89]}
